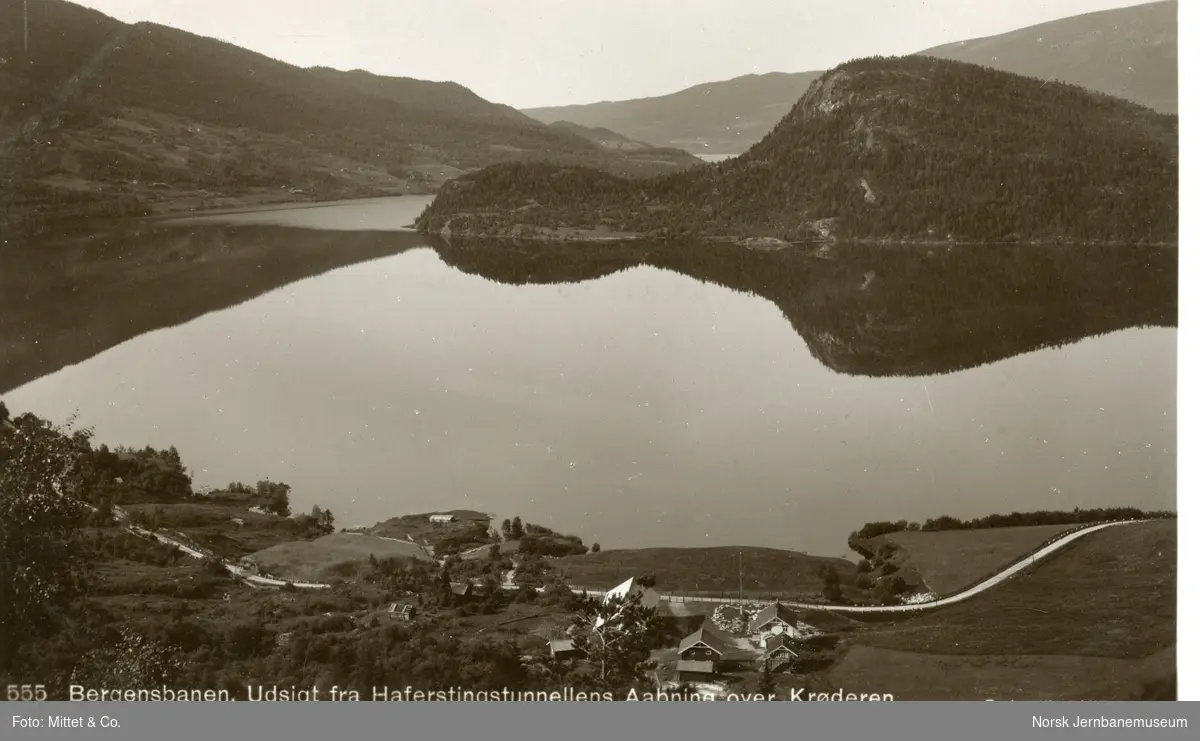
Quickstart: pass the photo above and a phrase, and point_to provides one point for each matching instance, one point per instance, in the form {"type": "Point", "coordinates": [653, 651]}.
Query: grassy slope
{"type": "Point", "coordinates": [766, 571]}
{"type": "Point", "coordinates": [910, 676]}
{"type": "Point", "coordinates": [716, 117]}
{"type": "Point", "coordinates": [314, 560]}
{"type": "Point", "coordinates": [1131, 53]}
{"type": "Point", "coordinates": [1109, 594]}
{"type": "Point", "coordinates": [212, 526]}
{"type": "Point", "coordinates": [1095, 622]}
{"type": "Point", "coordinates": [1127, 52]}
{"type": "Point", "coordinates": [952, 560]}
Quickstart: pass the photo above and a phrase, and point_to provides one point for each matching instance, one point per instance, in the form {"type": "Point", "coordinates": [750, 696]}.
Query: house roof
{"type": "Point", "coordinates": [649, 597]}
{"type": "Point", "coordinates": [775, 612]}
{"type": "Point", "coordinates": [460, 588]}
{"type": "Point", "coordinates": [561, 645]}
{"type": "Point", "coordinates": [703, 635]}
{"type": "Point", "coordinates": [704, 667]}
{"type": "Point", "coordinates": [780, 643]}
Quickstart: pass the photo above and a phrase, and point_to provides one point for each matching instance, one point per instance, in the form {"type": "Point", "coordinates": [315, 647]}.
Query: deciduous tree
{"type": "Point", "coordinates": [41, 564]}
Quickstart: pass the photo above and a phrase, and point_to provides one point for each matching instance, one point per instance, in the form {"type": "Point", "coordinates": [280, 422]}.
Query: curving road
{"type": "Point", "coordinates": [1033, 558]}
{"type": "Point", "coordinates": [236, 571]}
{"type": "Point", "coordinates": [1030, 560]}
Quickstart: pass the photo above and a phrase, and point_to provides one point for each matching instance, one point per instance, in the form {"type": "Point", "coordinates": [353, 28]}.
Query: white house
{"type": "Point", "coordinates": [648, 597]}
{"type": "Point", "coordinates": [442, 519]}
{"type": "Point", "coordinates": [777, 620]}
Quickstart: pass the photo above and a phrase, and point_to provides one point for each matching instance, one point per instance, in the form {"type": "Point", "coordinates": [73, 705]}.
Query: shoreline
{"type": "Point", "coordinates": [527, 235]}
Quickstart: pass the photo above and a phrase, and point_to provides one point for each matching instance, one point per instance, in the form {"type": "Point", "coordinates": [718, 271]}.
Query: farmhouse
{"type": "Point", "coordinates": [780, 651]}
{"type": "Point", "coordinates": [442, 519]}
{"type": "Point", "coordinates": [462, 590]}
{"type": "Point", "coordinates": [775, 620]}
{"type": "Point", "coordinates": [703, 645]}
{"type": "Point", "coordinates": [564, 650]}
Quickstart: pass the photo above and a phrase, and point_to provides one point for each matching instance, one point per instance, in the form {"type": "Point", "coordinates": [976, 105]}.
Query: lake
{"type": "Point", "coordinates": [636, 395]}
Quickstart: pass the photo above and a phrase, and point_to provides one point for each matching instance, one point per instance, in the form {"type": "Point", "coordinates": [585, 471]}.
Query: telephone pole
{"type": "Point", "coordinates": [741, 602]}
{"type": "Point", "coordinates": [26, 6]}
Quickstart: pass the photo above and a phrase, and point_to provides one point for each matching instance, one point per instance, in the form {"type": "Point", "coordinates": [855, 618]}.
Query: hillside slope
{"type": "Point", "coordinates": [900, 149]}
{"type": "Point", "coordinates": [716, 117]}
{"type": "Point", "coordinates": [1130, 53]}
{"type": "Point", "coordinates": [631, 148]}
{"type": "Point", "coordinates": [98, 110]}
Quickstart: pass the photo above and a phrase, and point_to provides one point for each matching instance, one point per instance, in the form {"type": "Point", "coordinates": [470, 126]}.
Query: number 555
{"type": "Point", "coordinates": [26, 692]}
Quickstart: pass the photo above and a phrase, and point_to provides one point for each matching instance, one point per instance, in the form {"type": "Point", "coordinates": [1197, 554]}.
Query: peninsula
{"type": "Point", "coordinates": [912, 149]}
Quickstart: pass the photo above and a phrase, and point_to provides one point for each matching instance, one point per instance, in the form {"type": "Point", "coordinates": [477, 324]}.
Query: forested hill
{"type": "Point", "coordinates": [889, 149]}
{"type": "Point", "coordinates": [97, 108]}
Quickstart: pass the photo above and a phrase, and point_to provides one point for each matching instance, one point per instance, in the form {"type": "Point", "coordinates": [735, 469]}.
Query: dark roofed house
{"type": "Point", "coordinates": [565, 649]}
{"type": "Point", "coordinates": [461, 590]}
{"type": "Point", "coordinates": [695, 671]}
{"type": "Point", "coordinates": [775, 620]}
{"type": "Point", "coordinates": [781, 651]}
{"type": "Point", "coordinates": [703, 645]}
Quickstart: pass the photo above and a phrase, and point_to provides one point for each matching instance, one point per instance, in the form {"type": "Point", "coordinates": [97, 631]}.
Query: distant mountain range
{"type": "Point", "coordinates": [901, 149]}
{"type": "Point", "coordinates": [1130, 53]}
{"type": "Point", "coordinates": [103, 116]}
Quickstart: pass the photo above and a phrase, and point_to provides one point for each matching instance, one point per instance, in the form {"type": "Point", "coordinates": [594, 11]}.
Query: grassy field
{"type": "Point", "coordinates": [765, 571]}
{"type": "Point", "coordinates": [1095, 621]}
{"type": "Point", "coordinates": [507, 548]}
{"type": "Point", "coordinates": [215, 525]}
{"type": "Point", "coordinates": [951, 560]}
{"type": "Point", "coordinates": [917, 676]}
{"type": "Point", "coordinates": [1109, 594]}
{"type": "Point", "coordinates": [317, 559]}
{"type": "Point", "coordinates": [469, 531]}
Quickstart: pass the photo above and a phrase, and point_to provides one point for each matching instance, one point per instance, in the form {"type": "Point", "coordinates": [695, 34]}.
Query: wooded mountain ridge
{"type": "Point", "coordinates": [98, 111]}
{"type": "Point", "coordinates": [903, 149]}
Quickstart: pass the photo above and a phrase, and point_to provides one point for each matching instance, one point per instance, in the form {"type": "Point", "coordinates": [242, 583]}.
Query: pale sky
{"type": "Point", "coordinates": [530, 53]}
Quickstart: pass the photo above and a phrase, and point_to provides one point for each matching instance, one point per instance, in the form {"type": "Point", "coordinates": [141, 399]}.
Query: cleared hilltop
{"type": "Point", "coordinates": [106, 117]}
{"type": "Point", "coordinates": [1130, 53]}
{"type": "Point", "coordinates": [879, 149]}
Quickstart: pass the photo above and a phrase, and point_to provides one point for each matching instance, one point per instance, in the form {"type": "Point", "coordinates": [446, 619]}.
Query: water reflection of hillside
{"type": "Point", "coordinates": [68, 299]}
{"type": "Point", "coordinates": [860, 310]}
{"type": "Point", "coordinates": [882, 311]}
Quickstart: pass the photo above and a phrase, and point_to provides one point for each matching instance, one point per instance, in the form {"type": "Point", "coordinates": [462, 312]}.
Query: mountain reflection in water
{"type": "Point", "coordinates": [637, 394]}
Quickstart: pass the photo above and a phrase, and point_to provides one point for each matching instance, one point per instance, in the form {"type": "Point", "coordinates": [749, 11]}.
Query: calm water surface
{"type": "Point", "coordinates": [640, 408]}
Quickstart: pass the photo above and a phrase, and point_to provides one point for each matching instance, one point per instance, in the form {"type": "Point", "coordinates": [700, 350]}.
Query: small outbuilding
{"type": "Point", "coordinates": [565, 650]}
